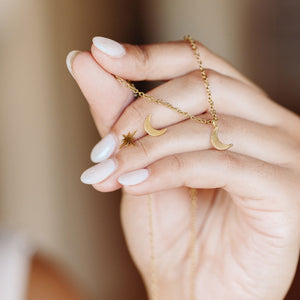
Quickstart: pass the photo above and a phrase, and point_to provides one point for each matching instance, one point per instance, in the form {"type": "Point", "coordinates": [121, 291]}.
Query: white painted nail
{"type": "Point", "coordinates": [108, 46]}
{"type": "Point", "coordinates": [134, 177]}
{"type": "Point", "coordinates": [104, 149]}
{"type": "Point", "coordinates": [98, 172]}
{"type": "Point", "coordinates": [69, 60]}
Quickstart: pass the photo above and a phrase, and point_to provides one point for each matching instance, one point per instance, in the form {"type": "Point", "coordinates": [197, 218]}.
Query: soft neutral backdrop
{"type": "Point", "coordinates": [47, 133]}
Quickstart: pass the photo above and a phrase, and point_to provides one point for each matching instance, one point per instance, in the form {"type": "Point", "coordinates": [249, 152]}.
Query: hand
{"type": "Point", "coordinates": [248, 205]}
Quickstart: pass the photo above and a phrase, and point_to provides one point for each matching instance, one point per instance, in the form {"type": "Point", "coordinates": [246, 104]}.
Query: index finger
{"type": "Point", "coordinates": [161, 61]}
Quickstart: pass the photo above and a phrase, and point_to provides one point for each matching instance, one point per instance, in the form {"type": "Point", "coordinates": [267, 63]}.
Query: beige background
{"type": "Point", "coordinates": [47, 133]}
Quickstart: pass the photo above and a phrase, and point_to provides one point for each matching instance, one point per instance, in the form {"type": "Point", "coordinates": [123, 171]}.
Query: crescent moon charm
{"type": "Point", "coordinates": [150, 130]}
{"type": "Point", "coordinates": [216, 142]}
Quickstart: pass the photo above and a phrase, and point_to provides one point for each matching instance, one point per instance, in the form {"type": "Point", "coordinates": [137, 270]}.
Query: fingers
{"type": "Point", "coordinates": [157, 61]}
{"type": "Point", "coordinates": [250, 139]}
{"type": "Point", "coordinates": [106, 97]}
{"type": "Point", "coordinates": [246, 177]}
{"type": "Point", "coordinates": [231, 98]}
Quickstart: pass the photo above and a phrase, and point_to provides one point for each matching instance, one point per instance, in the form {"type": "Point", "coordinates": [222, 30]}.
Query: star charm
{"type": "Point", "coordinates": [128, 139]}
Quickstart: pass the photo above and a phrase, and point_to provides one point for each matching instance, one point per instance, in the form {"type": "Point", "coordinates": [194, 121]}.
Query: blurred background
{"type": "Point", "coordinates": [47, 133]}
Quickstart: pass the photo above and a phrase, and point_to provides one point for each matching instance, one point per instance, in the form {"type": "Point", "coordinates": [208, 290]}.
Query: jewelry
{"type": "Point", "coordinates": [150, 130]}
{"type": "Point", "coordinates": [192, 250]}
{"type": "Point", "coordinates": [214, 136]}
{"type": "Point", "coordinates": [193, 237]}
{"type": "Point", "coordinates": [216, 142]}
{"type": "Point", "coordinates": [128, 139]}
{"type": "Point", "coordinates": [193, 192]}
{"type": "Point", "coordinates": [154, 280]}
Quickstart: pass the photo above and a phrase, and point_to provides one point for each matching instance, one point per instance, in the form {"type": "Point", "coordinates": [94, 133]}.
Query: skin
{"type": "Point", "coordinates": [247, 218]}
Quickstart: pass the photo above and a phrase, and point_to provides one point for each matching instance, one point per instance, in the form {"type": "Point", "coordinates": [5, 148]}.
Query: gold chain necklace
{"type": "Point", "coordinates": [213, 121]}
{"type": "Point", "coordinates": [192, 248]}
{"type": "Point", "coordinates": [193, 192]}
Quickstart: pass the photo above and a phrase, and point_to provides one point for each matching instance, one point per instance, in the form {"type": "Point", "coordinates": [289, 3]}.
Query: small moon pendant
{"type": "Point", "coordinates": [150, 130]}
{"type": "Point", "coordinates": [216, 142]}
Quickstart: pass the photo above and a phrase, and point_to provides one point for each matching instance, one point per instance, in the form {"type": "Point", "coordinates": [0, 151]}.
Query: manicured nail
{"type": "Point", "coordinates": [104, 149]}
{"type": "Point", "coordinates": [108, 46]}
{"type": "Point", "coordinates": [134, 177]}
{"type": "Point", "coordinates": [69, 60]}
{"type": "Point", "coordinates": [98, 172]}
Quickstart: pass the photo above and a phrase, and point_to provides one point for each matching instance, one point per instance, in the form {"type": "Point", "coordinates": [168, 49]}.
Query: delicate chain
{"type": "Point", "coordinates": [193, 230]}
{"type": "Point", "coordinates": [154, 295]}
{"type": "Point", "coordinates": [138, 93]}
{"type": "Point", "coordinates": [162, 102]}
{"type": "Point", "coordinates": [204, 77]}
{"type": "Point", "coordinates": [193, 237]}
{"type": "Point", "coordinates": [193, 192]}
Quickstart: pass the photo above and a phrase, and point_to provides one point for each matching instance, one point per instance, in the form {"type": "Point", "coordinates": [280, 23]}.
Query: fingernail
{"type": "Point", "coordinates": [98, 172]}
{"type": "Point", "coordinates": [134, 177]}
{"type": "Point", "coordinates": [108, 46]}
{"type": "Point", "coordinates": [69, 60]}
{"type": "Point", "coordinates": [104, 149]}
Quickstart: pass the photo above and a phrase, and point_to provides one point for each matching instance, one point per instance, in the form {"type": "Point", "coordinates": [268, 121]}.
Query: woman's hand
{"type": "Point", "coordinates": [247, 222]}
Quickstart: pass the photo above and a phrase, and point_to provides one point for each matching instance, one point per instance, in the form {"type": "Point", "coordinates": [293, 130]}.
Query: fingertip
{"type": "Point", "coordinates": [80, 59]}
{"type": "Point", "coordinates": [109, 47]}
{"type": "Point", "coordinates": [82, 66]}
{"type": "Point", "coordinates": [107, 187]}
{"type": "Point", "coordinates": [160, 61]}
{"type": "Point", "coordinates": [70, 60]}
{"type": "Point", "coordinates": [134, 177]}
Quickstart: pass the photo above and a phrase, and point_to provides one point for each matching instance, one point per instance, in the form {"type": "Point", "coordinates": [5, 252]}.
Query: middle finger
{"type": "Point", "coordinates": [231, 97]}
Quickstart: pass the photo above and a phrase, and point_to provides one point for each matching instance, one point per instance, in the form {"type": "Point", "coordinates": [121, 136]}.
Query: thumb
{"type": "Point", "coordinates": [161, 61]}
{"type": "Point", "coordinates": [105, 96]}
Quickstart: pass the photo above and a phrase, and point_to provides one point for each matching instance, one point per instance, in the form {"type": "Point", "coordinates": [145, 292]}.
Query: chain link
{"type": "Point", "coordinates": [212, 110]}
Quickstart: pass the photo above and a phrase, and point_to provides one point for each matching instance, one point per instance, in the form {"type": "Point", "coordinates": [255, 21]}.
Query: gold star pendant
{"type": "Point", "coordinates": [128, 139]}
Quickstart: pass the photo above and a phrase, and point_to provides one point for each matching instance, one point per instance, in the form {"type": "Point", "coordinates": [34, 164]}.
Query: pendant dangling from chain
{"type": "Point", "coordinates": [216, 143]}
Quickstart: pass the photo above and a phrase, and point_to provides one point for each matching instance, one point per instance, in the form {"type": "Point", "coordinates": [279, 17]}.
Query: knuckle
{"type": "Point", "coordinates": [131, 116]}
{"type": "Point", "coordinates": [192, 81]}
{"type": "Point", "coordinates": [294, 143]}
{"type": "Point", "coordinates": [202, 49]}
{"type": "Point", "coordinates": [144, 59]}
{"type": "Point", "coordinates": [137, 152]}
{"type": "Point", "coordinates": [294, 157]}
{"type": "Point", "coordinates": [195, 77]}
{"type": "Point", "coordinates": [227, 123]}
{"type": "Point", "coordinates": [215, 78]}
{"type": "Point", "coordinates": [206, 54]}
{"type": "Point", "coordinates": [230, 160]}
{"type": "Point", "coordinates": [177, 163]}
{"type": "Point", "coordinates": [145, 151]}
{"type": "Point", "coordinates": [133, 112]}
{"type": "Point", "coordinates": [296, 148]}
